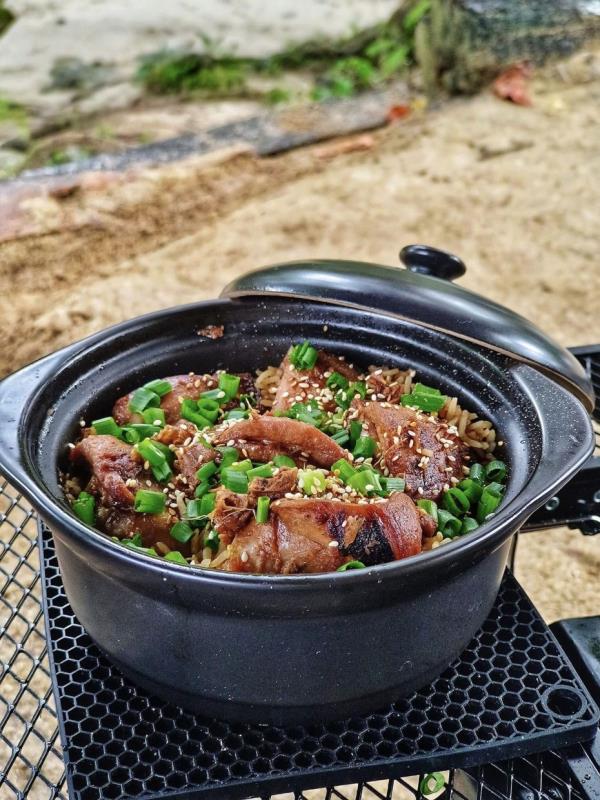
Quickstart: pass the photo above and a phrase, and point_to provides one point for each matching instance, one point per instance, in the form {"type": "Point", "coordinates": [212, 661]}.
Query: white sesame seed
{"type": "Point", "coordinates": [333, 544]}
{"type": "Point", "coordinates": [244, 556]}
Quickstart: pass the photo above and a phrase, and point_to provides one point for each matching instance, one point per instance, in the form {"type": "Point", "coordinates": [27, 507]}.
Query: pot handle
{"type": "Point", "coordinates": [428, 260]}
{"type": "Point", "coordinates": [563, 419]}
{"type": "Point", "coordinates": [15, 392]}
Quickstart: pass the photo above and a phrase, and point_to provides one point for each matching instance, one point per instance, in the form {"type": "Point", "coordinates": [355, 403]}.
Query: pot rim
{"type": "Point", "coordinates": [505, 522]}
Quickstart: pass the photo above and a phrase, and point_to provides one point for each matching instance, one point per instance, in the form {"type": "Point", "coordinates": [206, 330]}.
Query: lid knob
{"type": "Point", "coordinates": [431, 261]}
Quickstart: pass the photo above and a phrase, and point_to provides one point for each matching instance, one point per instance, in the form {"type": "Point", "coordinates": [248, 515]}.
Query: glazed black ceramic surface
{"type": "Point", "coordinates": [282, 648]}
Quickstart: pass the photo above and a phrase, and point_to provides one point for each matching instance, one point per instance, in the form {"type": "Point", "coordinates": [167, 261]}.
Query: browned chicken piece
{"type": "Point", "coordinates": [231, 515]}
{"type": "Point", "coordinates": [187, 462]}
{"type": "Point", "coordinates": [275, 488]}
{"type": "Point", "coordinates": [390, 393]}
{"type": "Point", "coordinates": [184, 386]}
{"type": "Point", "coordinates": [111, 464]}
{"type": "Point", "coordinates": [300, 386]}
{"type": "Point", "coordinates": [281, 436]}
{"type": "Point", "coordinates": [299, 534]}
{"type": "Point", "coordinates": [415, 446]}
{"type": "Point", "coordinates": [177, 434]}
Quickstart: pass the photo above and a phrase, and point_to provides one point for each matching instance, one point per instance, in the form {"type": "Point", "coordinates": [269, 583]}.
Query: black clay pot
{"type": "Point", "coordinates": [283, 649]}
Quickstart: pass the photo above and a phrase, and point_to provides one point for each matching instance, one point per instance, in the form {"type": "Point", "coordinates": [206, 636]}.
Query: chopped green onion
{"type": "Point", "coordinates": [343, 469]}
{"type": "Point", "coordinates": [283, 461]}
{"type": "Point", "coordinates": [135, 432]}
{"type": "Point", "coordinates": [341, 437]}
{"type": "Point", "coordinates": [136, 539]}
{"type": "Point", "coordinates": [456, 502]}
{"type": "Point", "coordinates": [143, 398]}
{"type": "Point", "coordinates": [308, 413]}
{"type": "Point", "coordinates": [393, 484]}
{"type": "Point", "coordinates": [350, 565]}
{"type": "Point", "coordinates": [236, 413]}
{"type": "Point", "coordinates": [247, 400]}
{"type": "Point", "coordinates": [495, 471]}
{"type": "Point", "coordinates": [154, 416]}
{"type": "Point", "coordinates": [429, 507]}
{"type": "Point", "coordinates": [207, 504]}
{"type": "Point", "coordinates": [489, 501]}
{"type": "Point", "coordinates": [426, 402]}
{"type": "Point", "coordinates": [208, 408]}
{"type": "Point", "coordinates": [468, 525]}
{"type": "Point", "coordinates": [420, 388]}
{"type": "Point", "coordinates": [234, 480]}
{"type": "Point", "coordinates": [471, 489]}
{"type": "Point", "coordinates": [214, 394]}
{"type": "Point", "coordinates": [365, 482]}
{"type": "Point", "coordinates": [229, 384]}
{"type": "Point", "coordinates": [311, 481]}
{"type": "Point", "coordinates": [212, 540]}
{"type": "Point", "coordinates": [194, 510]}
{"type": "Point", "coordinates": [262, 509]}
{"type": "Point", "coordinates": [477, 473]}
{"type": "Point", "coordinates": [153, 453]}
{"type": "Point", "coordinates": [228, 456]}
{"type": "Point", "coordinates": [84, 507]}
{"type": "Point", "coordinates": [182, 532]}
{"type": "Point", "coordinates": [165, 450]}
{"type": "Point", "coordinates": [202, 488]}
{"type": "Point", "coordinates": [147, 501]}
{"type": "Point", "coordinates": [448, 525]}
{"type": "Point", "coordinates": [345, 396]}
{"type": "Point", "coordinates": [262, 471]}
{"type": "Point", "coordinates": [107, 426]}
{"type": "Point", "coordinates": [131, 544]}
{"type": "Point", "coordinates": [365, 447]}
{"type": "Point", "coordinates": [337, 381]}
{"type": "Point", "coordinates": [432, 783]}
{"type": "Point", "coordinates": [189, 411]}
{"type": "Point", "coordinates": [176, 558]}
{"type": "Point", "coordinates": [355, 430]}
{"type": "Point", "coordinates": [206, 471]}
{"type": "Point", "coordinates": [304, 356]}
{"type": "Point", "coordinates": [159, 387]}
{"type": "Point", "coordinates": [241, 466]}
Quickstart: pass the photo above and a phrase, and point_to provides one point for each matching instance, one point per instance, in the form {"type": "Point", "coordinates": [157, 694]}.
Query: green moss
{"type": "Point", "coordinates": [341, 69]}
{"type": "Point", "coordinates": [13, 112]}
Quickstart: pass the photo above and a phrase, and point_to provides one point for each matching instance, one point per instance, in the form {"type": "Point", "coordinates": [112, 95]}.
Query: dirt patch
{"type": "Point", "coordinates": [511, 189]}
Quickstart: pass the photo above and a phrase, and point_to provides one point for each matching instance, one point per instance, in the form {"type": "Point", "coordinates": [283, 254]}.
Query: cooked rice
{"type": "Point", "coordinates": [267, 382]}
{"type": "Point", "coordinates": [476, 433]}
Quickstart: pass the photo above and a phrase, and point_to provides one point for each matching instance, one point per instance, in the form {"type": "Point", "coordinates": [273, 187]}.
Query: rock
{"type": "Point", "coordinates": [10, 162]}
{"type": "Point", "coordinates": [110, 98]}
{"type": "Point", "coordinates": [13, 134]}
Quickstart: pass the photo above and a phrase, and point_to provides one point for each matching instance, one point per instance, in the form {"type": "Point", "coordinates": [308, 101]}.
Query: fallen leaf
{"type": "Point", "coordinates": [343, 146]}
{"type": "Point", "coordinates": [397, 112]}
{"type": "Point", "coordinates": [512, 84]}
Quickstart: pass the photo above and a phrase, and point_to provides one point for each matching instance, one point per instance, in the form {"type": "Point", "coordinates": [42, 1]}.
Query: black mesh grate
{"type": "Point", "coordinates": [511, 692]}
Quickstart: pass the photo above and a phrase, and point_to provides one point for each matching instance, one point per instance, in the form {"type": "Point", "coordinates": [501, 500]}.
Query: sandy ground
{"type": "Point", "coordinates": [513, 190]}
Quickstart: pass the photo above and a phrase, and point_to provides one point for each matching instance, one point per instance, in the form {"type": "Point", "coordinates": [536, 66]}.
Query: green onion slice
{"type": "Point", "coordinates": [472, 489]}
{"type": "Point", "coordinates": [207, 503]}
{"type": "Point", "coordinates": [229, 384]}
{"type": "Point", "coordinates": [154, 417]}
{"type": "Point", "coordinates": [135, 432]}
{"type": "Point", "coordinates": [337, 381]}
{"type": "Point", "coordinates": [393, 484]}
{"type": "Point", "coordinates": [212, 540]}
{"type": "Point", "coordinates": [496, 471]}
{"type": "Point", "coordinates": [262, 509]}
{"type": "Point", "coordinates": [234, 480]}
{"type": "Point", "coordinates": [84, 507]}
{"type": "Point", "coordinates": [343, 469]}
{"type": "Point", "coordinates": [448, 525]}
{"type": "Point", "coordinates": [228, 456]}
{"type": "Point", "coordinates": [159, 386]}
{"type": "Point", "coordinates": [341, 437]}
{"type": "Point", "coordinates": [147, 501]}
{"type": "Point", "coordinates": [189, 411]}
{"type": "Point", "coordinates": [142, 399]}
{"type": "Point", "coordinates": [432, 782]}
{"type": "Point", "coordinates": [489, 501]}
{"type": "Point", "coordinates": [283, 461]}
{"type": "Point", "coordinates": [365, 447]}
{"type": "Point", "coordinates": [311, 481]}
{"type": "Point", "coordinates": [351, 565]}
{"type": "Point", "coordinates": [365, 482]}
{"type": "Point", "coordinates": [107, 426]}
{"type": "Point", "coordinates": [304, 356]}
{"type": "Point", "coordinates": [261, 471]}
{"type": "Point", "coordinates": [194, 510]}
{"type": "Point", "coordinates": [206, 471]}
{"type": "Point", "coordinates": [181, 532]}
{"type": "Point", "coordinates": [477, 473]}
{"type": "Point", "coordinates": [456, 502]}
{"type": "Point", "coordinates": [468, 525]}
{"type": "Point", "coordinates": [202, 488]}
{"type": "Point", "coordinates": [176, 558]}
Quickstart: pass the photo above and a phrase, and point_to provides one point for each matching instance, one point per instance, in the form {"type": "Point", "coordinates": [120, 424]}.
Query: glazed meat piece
{"type": "Point", "coordinates": [299, 534]}
{"type": "Point", "coordinates": [304, 385]}
{"type": "Point", "coordinates": [184, 386]}
{"type": "Point", "coordinates": [112, 466]}
{"type": "Point", "coordinates": [262, 438]}
{"type": "Point", "coordinates": [415, 446]}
